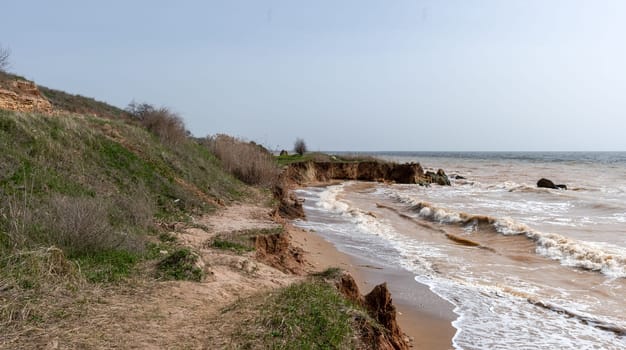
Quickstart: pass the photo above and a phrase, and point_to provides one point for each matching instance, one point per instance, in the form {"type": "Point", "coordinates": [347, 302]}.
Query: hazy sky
{"type": "Point", "coordinates": [345, 75]}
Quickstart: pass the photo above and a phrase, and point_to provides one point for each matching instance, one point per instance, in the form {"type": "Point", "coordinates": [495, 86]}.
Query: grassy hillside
{"type": "Point", "coordinates": [89, 197]}
{"type": "Point", "coordinates": [96, 190]}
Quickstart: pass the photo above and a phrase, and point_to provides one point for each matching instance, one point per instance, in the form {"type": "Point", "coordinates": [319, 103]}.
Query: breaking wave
{"type": "Point", "coordinates": [609, 260]}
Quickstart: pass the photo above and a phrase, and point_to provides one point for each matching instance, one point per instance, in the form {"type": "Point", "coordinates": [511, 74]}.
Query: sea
{"type": "Point", "coordinates": [524, 267]}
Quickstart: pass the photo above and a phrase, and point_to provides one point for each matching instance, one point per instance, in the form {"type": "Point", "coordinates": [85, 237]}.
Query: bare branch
{"type": "Point", "coordinates": [5, 53]}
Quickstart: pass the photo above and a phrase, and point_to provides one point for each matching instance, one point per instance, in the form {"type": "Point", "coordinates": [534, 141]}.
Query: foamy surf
{"type": "Point", "coordinates": [604, 258]}
{"type": "Point", "coordinates": [490, 316]}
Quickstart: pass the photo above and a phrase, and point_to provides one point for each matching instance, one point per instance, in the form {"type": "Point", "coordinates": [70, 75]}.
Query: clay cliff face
{"type": "Point", "coordinates": [299, 174]}
{"type": "Point", "coordinates": [409, 173]}
{"type": "Point", "coordinates": [379, 305]}
{"type": "Point", "coordinates": [23, 96]}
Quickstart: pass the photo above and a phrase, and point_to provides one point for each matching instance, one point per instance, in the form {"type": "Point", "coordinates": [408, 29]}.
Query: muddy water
{"type": "Point", "coordinates": [524, 267]}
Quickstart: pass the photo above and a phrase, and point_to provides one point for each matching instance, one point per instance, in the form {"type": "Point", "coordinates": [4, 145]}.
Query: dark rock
{"type": "Point", "coordinates": [545, 183]}
{"type": "Point", "coordinates": [439, 178]}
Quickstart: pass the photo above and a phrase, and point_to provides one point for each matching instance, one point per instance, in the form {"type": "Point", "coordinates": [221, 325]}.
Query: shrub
{"type": "Point", "coordinates": [299, 146]}
{"type": "Point", "coordinates": [168, 126]}
{"type": "Point", "coordinates": [247, 161]}
{"type": "Point", "coordinates": [5, 53]}
{"type": "Point", "coordinates": [77, 225]}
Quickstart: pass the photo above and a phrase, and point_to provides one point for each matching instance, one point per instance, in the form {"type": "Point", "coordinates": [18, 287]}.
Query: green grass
{"type": "Point", "coordinates": [179, 265]}
{"type": "Point", "coordinates": [230, 245]}
{"type": "Point", "coordinates": [323, 157]}
{"type": "Point", "coordinates": [329, 273]}
{"type": "Point", "coordinates": [107, 266]}
{"type": "Point", "coordinates": [308, 315]}
{"type": "Point", "coordinates": [243, 240]}
{"type": "Point", "coordinates": [135, 177]}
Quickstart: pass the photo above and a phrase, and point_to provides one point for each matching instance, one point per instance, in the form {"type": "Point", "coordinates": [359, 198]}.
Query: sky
{"type": "Point", "coordinates": [353, 75]}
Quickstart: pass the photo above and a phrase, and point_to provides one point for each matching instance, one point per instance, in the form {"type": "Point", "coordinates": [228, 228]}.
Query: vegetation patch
{"type": "Point", "coordinates": [180, 265]}
{"type": "Point", "coordinates": [329, 273]}
{"type": "Point", "coordinates": [241, 241]}
{"type": "Point", "coordinates": [230, 245]}
{"type": "Point", "coordinates": [307, 315]}
{"type": "Point", "coordinates": [247, 161]}
{"type": "Point", "coordinates": [287, 159]}
{"type": "Point", "coordinates": [107, 266]}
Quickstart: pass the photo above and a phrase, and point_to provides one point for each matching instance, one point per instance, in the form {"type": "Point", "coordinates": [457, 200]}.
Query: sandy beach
{"type": "Point", "coordinates": [423, 316]}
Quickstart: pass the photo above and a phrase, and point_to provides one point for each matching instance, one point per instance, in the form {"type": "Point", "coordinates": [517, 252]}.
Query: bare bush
{"type": "Point", "coordinates": [16, 219]}
{"type": "Point", "coordinates": [81, 225]}
{"type": "Point", "coordinates": [165, 124]}
{"type": "Point", "coordinates": [5, 53]}
{"type": "Point", "coordinates": [299, 146]}
{"type": "Point", "coordinates": [77, 225]}
{"type": "Point", "coordinates": [247, 161]}
{"type": "Point", "coordinates": [133, 208]}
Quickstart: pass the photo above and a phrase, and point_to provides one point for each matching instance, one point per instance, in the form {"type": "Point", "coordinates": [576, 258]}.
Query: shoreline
{"type": "Point", "coordinates": [422, 315]}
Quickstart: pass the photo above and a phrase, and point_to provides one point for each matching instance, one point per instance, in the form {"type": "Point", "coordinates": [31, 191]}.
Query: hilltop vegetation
{"type": "Point", "coordinates": [92, 201]}
{"type": "Point", "coordinates": [84, 199]}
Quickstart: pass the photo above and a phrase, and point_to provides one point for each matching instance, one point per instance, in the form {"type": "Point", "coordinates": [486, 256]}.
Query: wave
{"type": "Point", "coordinates": [595, 322]}
{"type": "Point", "coordinates": [610, 261]}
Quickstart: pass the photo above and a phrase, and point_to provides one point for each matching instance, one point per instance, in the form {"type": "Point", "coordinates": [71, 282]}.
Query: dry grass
{"type": "Point", "coordinates": [247, 161]}
{"type": "Point", "coordinates": [77, 225]}
{"type": "Point", "coordinates": [26, 276]}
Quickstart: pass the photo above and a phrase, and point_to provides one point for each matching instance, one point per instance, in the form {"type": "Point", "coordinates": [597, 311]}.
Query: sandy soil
{"type": "Point", "coordinates": [149, 314]}
{"type": "Point", "coordinates": [422, 315]}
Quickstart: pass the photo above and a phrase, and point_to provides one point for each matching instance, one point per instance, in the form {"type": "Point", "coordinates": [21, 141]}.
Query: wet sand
{"type": "Point", "coordinates": [423, 316]}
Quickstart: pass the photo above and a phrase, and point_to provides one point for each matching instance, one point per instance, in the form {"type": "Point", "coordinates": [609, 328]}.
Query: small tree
{"type": "Point", "coordinates": [299, 146]}
{"type": "Point", "coordinates": [4, 58]}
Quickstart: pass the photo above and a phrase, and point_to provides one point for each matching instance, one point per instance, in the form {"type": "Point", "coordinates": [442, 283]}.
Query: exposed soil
{"type": "Point", "coordinates": [148, 314]}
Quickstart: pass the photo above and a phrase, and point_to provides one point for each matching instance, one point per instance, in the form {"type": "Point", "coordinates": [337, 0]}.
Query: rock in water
{"type": "Point", "coordinates": [545, 183]}
{"type": "Point", "coordinates": [439, 178]}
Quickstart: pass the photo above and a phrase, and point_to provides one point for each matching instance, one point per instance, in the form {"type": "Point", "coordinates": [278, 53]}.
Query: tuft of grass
{"type": "Point", "coordinates": [167, 237]}
{"type": "Point", "coordinates": [180, 265]}
{"type": "Point", "coordinates": [308, 315]}
{"type": "Point", "coordinates": [107, 266]}
{"type": "Point", "coordinates": [241, 241]}
{"type": "Point", "coordinates": [329, 273]}
{"type": "Point", "coordinates": [230, 245]}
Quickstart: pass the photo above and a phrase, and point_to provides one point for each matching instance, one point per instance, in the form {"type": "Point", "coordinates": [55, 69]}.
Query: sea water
{"type": "Point", "coordinates": [524, 267]}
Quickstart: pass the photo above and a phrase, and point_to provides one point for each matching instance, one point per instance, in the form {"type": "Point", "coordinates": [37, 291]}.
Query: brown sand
{"type": "Point", "coordinates": [423, 315]}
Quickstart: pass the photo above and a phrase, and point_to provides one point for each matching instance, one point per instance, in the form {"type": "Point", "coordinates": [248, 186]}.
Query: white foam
{"type": "Point", "coordinates": [490, 317]}
{"type": "Point", "coordinates": [605, 258]}
{"type": "Point", "coordinates": [493, 318]}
